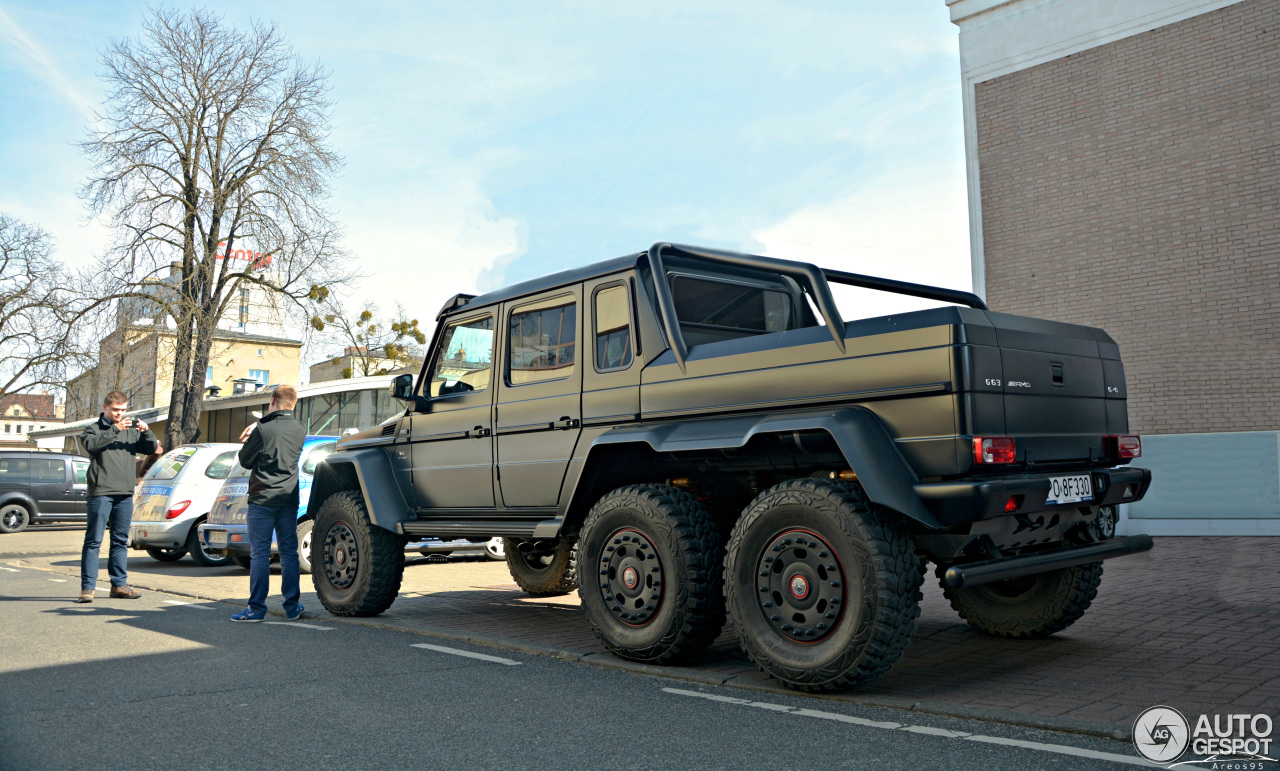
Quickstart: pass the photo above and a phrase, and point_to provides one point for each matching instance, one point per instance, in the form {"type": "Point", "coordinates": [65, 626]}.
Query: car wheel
{"type": "Point", "coordinates": [305, 529]}
{"type": "Point", "coordinates": [14, 518]}
{"type": "Point", "coordinates": [495, 549]}
{"type": "Point", "coordinates": [823, 587]}
{"type": "Point", "coordinates": [650, 566]}
{"type": "Point", "coordinates": [1030, 606]}
{"type": "Point", "coordinates": [203, 555]}
{"type": "Point", "coordinates": [356, 566]}
{"type": "Point", "coordinates": [542, 568]}
{"type": "Point", "coordinates": [165, 555]}
{"type": "Point", "coordinates": [240, 558]}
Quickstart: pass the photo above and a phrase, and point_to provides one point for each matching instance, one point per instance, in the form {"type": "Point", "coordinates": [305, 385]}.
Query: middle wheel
{"type": "Point", "coordinates": [650, 573]}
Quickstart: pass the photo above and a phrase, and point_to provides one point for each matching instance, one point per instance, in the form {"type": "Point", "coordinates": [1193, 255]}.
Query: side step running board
{"type": "Point", "coordinates": [975, 573]}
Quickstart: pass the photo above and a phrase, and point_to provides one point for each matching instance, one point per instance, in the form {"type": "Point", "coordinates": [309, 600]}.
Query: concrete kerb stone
{"type": "Point", "coordinates": [703, 677]}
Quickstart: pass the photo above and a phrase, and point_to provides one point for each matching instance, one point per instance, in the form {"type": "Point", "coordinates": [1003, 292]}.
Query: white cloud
{"type": "Point", "coordinates": [32, 57]}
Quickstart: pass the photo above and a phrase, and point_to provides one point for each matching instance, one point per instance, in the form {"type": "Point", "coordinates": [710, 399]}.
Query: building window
{"type": "Point", "coordinates": [260, 375]}
{"type": "Point", "coordinates": [6, 428]}
{"type": "Point", "coordinates": [208, 376]}
{"type": "Point", "coordinates": [19, 428]}
{"type": "Point", "coordinates": [259, 351]}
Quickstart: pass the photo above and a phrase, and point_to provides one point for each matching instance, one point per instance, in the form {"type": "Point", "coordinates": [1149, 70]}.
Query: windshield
{"type": "Point", "coordinates": [171, 464]}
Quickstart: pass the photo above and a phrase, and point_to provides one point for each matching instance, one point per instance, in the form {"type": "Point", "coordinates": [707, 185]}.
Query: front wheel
{"type": "Point", "coordinates": [649, 561]}
{"type": "Point", "coordinates": [203, 555]}
{"type": "Point", "coordinates": [14, 518]}
{"type": "Point", "coordinates": [495, 549]}
{"type": "Point", "coordinates": [1031, 606]}
{"type": "Point", "coordinates": [356, 566]}
{"type": "Point", "coordinates": [542, 568]}
{"type": "Point", "coordinates": [823, 587]}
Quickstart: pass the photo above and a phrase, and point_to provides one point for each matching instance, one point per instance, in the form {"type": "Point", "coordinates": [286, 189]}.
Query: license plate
{"type": "Point", "coordinates": [1073, 489]}
{"type": "Point", "coordinates": [217, 537]}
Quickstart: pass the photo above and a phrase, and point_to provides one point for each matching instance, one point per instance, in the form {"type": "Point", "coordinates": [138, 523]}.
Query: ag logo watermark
{"type": "Point", "coordinates": [1162, 735]}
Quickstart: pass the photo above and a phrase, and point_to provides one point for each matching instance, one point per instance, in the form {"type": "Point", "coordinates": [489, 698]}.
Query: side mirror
{"type": "Point", "coordinates": [402, 387]}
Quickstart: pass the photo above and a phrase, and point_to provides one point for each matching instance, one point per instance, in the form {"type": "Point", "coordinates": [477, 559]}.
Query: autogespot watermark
{"type": "Point", "coordinates": [1227, 742]}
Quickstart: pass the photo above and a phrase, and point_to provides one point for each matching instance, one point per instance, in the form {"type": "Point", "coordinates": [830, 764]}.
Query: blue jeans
{"type": "Point", "coordinates": [116, 510]}
{"type": "Point", "coordinates": [262, 520]}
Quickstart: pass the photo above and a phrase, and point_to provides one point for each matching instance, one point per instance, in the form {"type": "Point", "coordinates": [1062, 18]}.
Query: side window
{"type": "Point", "coordinates": [318, 454]}
{"type": "Point", "coordinates": [710, 310]}
{"type": "Point", "coordinates": [613, 329]}
{"type": "Point", "coordinates": [220, 466]}
{"type": "Point", "coordinates": [466, 358]}
{"type": "Point", "coordinates": [82, 472]}
{"type": "Point", "coordinates": [15, 470]}
{"type": "Point", "coordinates": [48, 470]}
{"type": "Point", "coordinates": [540, 345]}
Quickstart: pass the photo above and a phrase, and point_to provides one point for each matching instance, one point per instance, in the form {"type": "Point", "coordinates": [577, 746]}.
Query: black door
{"type": "Point", "coordinates": [539, 409]}
{"type": "Point", "coordinates": [451, 444]}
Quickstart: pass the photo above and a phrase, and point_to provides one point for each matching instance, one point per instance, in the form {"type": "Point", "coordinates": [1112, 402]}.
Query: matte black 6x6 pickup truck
{"type": "Point", "coordinates": [686, 433]}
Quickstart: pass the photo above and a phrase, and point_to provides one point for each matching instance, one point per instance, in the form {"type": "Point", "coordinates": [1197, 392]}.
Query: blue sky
{"type": "Point", "coordinates": [491, 142]}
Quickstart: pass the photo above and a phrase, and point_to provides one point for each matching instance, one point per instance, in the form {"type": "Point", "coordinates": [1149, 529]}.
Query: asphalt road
{"type": "Point", "coordinates": [160, 682]}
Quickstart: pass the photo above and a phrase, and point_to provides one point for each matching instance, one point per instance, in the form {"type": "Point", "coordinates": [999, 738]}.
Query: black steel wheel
{"type": "Point", "coordinates": [14, 518]}
{"type": "Point", "coordinates": [165, 555]}
{"type": "Point", "coordinates": [822, 586]}
{"type": "Point", "coordinates": [653, 592]}
{"type": "Point", "coordinates": [356, 566]}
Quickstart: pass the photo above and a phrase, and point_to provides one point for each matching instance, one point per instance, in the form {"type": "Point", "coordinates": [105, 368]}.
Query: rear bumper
{"type": "Point", "coordinates": [164, 535]}
{"type": "Point", "coordinates": [955, 503]}
{"type": "Point", "coordinates": [975, 573]}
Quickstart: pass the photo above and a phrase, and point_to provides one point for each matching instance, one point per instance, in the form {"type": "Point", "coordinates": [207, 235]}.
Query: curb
{"type": "Point", "coordinates": [692, 675]}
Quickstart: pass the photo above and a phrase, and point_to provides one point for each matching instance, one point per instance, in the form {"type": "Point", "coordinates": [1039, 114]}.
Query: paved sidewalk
{"type": "Point", "coordinates": [1193, 624]}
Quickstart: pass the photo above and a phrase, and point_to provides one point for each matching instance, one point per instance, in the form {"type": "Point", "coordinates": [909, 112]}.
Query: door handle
{"type": "Point", "coordinates": [482, 431]}
{"type": "Point", "coordinates": [568, 422]}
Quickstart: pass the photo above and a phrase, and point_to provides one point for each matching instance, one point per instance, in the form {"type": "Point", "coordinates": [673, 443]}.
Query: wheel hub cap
{"type": "Point", "coordinates": [341, 558]}
{"type": "Point", "coordinates": [631, 577]}
{"type": "Point", "coordinates": [801, 586]}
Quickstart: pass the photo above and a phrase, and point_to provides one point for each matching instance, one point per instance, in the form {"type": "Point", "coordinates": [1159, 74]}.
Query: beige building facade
{"type": "Point", "coordinates": [1124, 172]}
{"type": "Point", "coordinates": [22, 414]}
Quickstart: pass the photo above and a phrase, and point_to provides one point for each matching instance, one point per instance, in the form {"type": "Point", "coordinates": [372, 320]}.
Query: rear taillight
{"type": "Point", "coordinates": [1125, 447]}
{"type": "Point", "coordinates": [176, 510]}
{"type": "Point", "coordinates": [994, 449]}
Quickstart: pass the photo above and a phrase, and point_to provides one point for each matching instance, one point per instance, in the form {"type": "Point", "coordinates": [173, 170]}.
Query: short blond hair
{"type": "Point", "coordinates": [285, 396]}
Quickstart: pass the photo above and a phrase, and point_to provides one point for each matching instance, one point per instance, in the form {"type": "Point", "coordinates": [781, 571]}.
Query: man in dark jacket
{"type": "Point", "coordinates": [112, 443]}
{"type": "Point", "coordinates": [270, 453]}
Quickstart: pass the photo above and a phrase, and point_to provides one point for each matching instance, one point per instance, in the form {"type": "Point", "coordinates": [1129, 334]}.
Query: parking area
{"type": "Point", "coordinates": [1193, 624]}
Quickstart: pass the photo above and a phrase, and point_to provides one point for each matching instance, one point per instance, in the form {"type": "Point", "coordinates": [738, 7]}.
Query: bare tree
{"type": "Point", "coordinates": [375, 345]}
{"type": "Point", "coordinates": [36, 342]}
{"type": "Point", "coordinates": [211, 158]}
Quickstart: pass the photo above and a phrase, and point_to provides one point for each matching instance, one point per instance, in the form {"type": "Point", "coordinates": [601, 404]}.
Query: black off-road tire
{"type": "Point", "coordinates": [306, 529]}
{"type": "Point", "coordinates": [675, 539]}
{"type": "Point", "coordinates": [356, 565]}
{"type": "Point", "coordinates": [165, 555]}
{"type": "Point", "coordinates": [1033, 606]}
{"type": "Point", "coordinates": [543, 577]}
{"type": "Point", "coordinates": [240, 558]}
{"type": "Point", "coordinates": [873, 610]}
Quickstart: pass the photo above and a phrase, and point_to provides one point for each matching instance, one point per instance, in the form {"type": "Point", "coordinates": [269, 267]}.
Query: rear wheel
{"type": "Point", "coordinates": [495, 549]}
{"type": "Point", "coordinates": [305, 530]}
{"type": "Point", "coordinates": [356, 566]}
{"type": "Point", "coordinates": [1031, 606]}
{"type": "Point", "coordinates": [203, 555]}
{"type": "Point", "coordinates": [542, 568]}
{"type": "Point", "coordinates": [823, 587]}
{"type": "Point", "coordinates": [165, 555]}
{"type": "Point", "coordinates": [240, 558]}
{"type": "Point", "coordinates": [14, 518]}
{"type": "Point", "coordinates": [651, 573]}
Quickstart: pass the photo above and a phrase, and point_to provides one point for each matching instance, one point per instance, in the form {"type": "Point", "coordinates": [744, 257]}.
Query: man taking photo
{"type": "Point", "coordinates": [270, 453]}
{"type": "Point", "coordinates": [113, 444]}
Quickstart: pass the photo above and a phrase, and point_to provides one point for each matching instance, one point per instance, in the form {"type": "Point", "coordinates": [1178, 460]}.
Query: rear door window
{"type": "Point", "coordinates": [541, 343]}
{"type": "Point", "coordinates": [48, 470]}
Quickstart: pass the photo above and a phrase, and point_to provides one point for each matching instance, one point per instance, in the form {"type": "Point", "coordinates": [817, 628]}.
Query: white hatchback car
{"type": "Point", "coordinates": [175, 497]}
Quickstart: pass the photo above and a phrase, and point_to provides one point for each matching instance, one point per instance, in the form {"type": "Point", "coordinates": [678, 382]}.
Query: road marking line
{"type": "Point", "coordinates": [468, 654]}
{"type": "Point", "coordinates": [58, 580]}
{"type": "Point", "coordinates": [11, 570]}
{"type": "Point", "coordinates": [187, 604]}
{"type": "Point", "coordinates": [1060, 749]}
{"type": "Point", "coordinates": [300, 626]}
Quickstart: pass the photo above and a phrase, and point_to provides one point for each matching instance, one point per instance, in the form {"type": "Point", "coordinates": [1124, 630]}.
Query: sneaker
{"type": "Point", "coordinates": [295, 615]}
{"type": "Point", "coordinates": [248, 616]}
{"type": "Point", "coordinates": [124, 593]}
{"type": "Point", "coordinates": [86, 595]}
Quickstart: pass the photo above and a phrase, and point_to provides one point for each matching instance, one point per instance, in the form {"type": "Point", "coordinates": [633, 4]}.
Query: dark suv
{"type": "Point", "coordinates": [725, 443]}
{"type": "Point", "coordinates": [40, 487]}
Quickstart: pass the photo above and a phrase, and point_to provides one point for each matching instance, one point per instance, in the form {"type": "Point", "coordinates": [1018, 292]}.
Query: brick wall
{"type": "Point", "coordinates": [1136, 186]}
